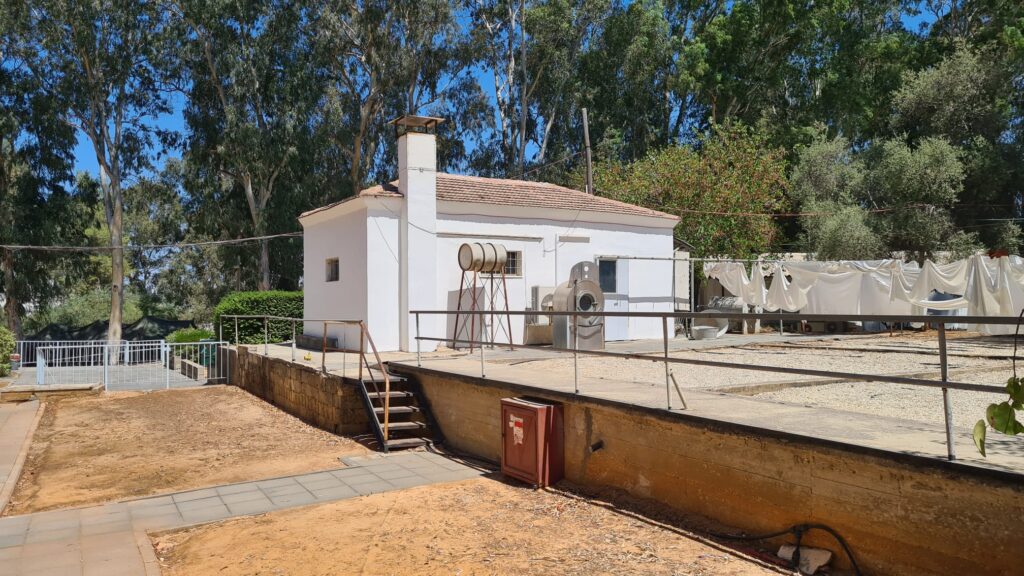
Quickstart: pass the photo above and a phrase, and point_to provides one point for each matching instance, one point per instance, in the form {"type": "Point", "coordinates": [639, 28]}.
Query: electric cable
{"type": "Point", "coordinates": [797, 530]}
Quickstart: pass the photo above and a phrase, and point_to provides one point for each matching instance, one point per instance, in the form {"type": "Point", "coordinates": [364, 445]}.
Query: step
{"type": "Point", "coordinates": [398, 410]}
{"type": "Point", "coordinates": [399, 443]}
{"type": "Point", "coordinates": [393, 394]}
{"type": "Point", "coordinates": [405, 426]}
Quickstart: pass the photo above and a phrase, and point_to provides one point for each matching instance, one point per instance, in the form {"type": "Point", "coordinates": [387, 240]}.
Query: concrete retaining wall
{"type": "Point", "coordinates": [901, 514]}
{"type": "Point", "coordinates": [326, 401]}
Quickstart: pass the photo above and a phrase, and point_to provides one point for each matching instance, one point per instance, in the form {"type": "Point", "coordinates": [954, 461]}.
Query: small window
{"type": "Point", "coordinates": [514, 263]}
{"type": "Point", "coordinates": [607, 271]}
{"type": "Point", "coordinates": [333, 272]}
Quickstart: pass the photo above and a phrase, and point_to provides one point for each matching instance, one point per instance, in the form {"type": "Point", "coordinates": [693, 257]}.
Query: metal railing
{"type": "Point", "coordinates": [939, 322]}
{"type": "Point", "coordinates": [362, 357]}
{"type": "Point", "coordinates": [26, 349]}
{"type": "Point", "coordinates": [149, 365]}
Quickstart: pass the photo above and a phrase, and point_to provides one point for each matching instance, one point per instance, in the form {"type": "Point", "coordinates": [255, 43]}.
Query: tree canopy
{"type": "Point", "coordinates": [849, 129]}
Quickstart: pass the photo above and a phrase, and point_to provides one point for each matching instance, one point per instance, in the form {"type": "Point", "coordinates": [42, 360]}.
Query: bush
{"type": "Point", "coordinates": [270, 303]}
{"type": "Point", "coordinates": [6, 348]}
{"type": "Point", "coordinates": [190, 335]}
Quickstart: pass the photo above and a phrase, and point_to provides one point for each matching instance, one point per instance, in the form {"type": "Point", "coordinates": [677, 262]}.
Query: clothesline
{"type": "Point", "coordinates": [981, 285]}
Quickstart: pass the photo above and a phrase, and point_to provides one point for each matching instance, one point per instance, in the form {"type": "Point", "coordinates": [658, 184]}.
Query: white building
{"type": "Point", "coordinates": [393, 248]}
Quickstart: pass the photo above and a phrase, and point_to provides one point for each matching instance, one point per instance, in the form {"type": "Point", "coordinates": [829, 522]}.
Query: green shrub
{"type": "Point", "coordinates": [270, 303]}
{"type": "Point", "coordinates": [6, 348]}
{"type": "Point", "coordinates": [190, 335]}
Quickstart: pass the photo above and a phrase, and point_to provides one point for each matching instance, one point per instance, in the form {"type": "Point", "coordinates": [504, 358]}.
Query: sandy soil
{"type": "Point", "coordinates": [479, 526]}
{"type": "Point", "coordinates": [128, 444]}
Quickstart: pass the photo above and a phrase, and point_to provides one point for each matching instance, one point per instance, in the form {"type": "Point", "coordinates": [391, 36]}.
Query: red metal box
{"type": "Point", "coordinates": [532, 447]}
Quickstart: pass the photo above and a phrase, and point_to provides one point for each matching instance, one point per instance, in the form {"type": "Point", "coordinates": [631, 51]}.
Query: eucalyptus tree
{"type": "Point", "coordinates": [381, 59]}
{"type": "Point", "coordinates": [106, 61]}
{"type": "Point", "coordinates": [251, 94]}
{"type": "Point", "coordinates": [37, 202]}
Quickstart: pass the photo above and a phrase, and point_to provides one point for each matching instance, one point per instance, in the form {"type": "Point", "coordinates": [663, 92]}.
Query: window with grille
{"type": "Point", "coordinates": [333, 271]}
{"type": "Point", "coordinates": [514, 263]}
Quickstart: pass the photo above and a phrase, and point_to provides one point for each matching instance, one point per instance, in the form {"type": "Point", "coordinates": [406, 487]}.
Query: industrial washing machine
{"type": "Point", "coordinates": [580, 294]}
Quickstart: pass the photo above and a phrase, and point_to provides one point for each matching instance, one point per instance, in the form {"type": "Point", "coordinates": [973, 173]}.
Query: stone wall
{"type": "Point", "coordinates": [901, 514]}
{"type": "Point", "coordinates": [326, 401]}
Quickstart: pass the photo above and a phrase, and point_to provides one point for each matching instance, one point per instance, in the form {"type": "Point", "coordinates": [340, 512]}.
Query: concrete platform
{"type": "Point", "coordinates": [851, 430]}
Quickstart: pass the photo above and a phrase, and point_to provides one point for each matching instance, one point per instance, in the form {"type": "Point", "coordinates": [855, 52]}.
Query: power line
{"type": "Point", "coordinates": [792, 214]}
{"type": "Point", "coordinates": [149, 246]}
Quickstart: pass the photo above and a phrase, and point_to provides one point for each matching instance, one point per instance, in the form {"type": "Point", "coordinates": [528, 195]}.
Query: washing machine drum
{"type": "Point", "coordinates": [580, 296]}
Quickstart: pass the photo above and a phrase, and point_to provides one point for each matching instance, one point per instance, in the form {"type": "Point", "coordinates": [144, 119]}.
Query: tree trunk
{"type": "Point", "coordinates": [264, 283]}
{"type": "Point", "coordinates": [12, 308]}
{"type": "Point", "coordinates": [115, 212]}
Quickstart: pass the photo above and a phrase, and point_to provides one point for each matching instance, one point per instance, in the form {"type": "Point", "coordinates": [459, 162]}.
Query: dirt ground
{"type": "Point", "coordinates": [128, 444]}
{"type": "Point", "coordinates": [480, 526]}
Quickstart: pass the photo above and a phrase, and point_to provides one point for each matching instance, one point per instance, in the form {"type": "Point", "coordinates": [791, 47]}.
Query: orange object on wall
{"type": "Point", "coordinates": [532, 441]}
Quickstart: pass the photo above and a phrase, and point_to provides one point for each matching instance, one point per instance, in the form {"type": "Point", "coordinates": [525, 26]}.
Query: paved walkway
{"type": "Point", "coordinates": [15, 425]}
{"type": "Point", "coordinates": [111, 540]}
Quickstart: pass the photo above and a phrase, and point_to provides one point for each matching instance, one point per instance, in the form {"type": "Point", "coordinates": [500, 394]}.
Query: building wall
{"type": "Point", "coordinates": [550, 249]}
{"type": "Point", "coordinates": [343, 237]}
{"type": "Point", "coordinates": [902, 515]}
{"type": "Point", "coordinates": [382, 281]}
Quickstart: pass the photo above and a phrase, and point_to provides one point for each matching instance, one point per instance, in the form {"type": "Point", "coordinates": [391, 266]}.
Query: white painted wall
{"type": "Point", "coordinates": [343, 236]}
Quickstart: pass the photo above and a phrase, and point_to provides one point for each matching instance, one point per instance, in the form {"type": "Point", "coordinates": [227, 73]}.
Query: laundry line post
{"type": "Point", "coordinates": [946, 406]}
{"type": "Point", "coordinates": [293, 340]}
{"type": "Point", "coordinates": [664, 335]}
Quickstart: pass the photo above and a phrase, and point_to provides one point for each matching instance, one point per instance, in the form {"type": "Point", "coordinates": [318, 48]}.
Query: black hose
{"type": "Point", "coordinates": [797, 530]}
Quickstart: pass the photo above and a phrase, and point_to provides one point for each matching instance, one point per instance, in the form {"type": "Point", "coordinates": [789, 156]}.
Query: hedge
{"type": "Point", "coordinates": [185, 335]}
{"type": "Point", "coordinates": [269, 303]}
{"type": "Point", "coordinates": [6, 348]}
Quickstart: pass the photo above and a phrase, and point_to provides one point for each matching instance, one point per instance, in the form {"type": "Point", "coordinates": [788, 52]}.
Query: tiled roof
{"type": "Point", "coordinates": [454, 188]}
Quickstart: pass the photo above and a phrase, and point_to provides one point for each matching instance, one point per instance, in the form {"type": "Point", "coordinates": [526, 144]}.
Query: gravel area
{"type": "Point", "coordinates": [899, 401]}
{"type": "Point", "coordinates": [705, 377]}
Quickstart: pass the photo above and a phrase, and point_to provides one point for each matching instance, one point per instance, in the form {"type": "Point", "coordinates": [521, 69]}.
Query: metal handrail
{"type": "Point", "coordinates": [940, 321]}
{"type": "Point", "coordinates": [364, 337]}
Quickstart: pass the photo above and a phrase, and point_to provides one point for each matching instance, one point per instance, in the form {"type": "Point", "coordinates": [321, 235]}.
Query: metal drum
{"type": "Point", "coordinates": [482, 257]}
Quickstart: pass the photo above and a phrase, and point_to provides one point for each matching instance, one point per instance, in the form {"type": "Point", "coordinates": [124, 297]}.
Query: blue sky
{"type": "Point", "coordinates": [85, 157]}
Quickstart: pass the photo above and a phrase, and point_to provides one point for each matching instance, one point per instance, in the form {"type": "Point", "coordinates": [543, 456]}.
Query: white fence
{"type": "Point", "coordinates": [26, 349]}
{"type": "Point", "coordinates": [142, 365]}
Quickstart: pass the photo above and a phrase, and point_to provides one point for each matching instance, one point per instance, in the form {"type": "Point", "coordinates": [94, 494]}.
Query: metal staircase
{"type": "Point", "coordinates": [398, 413]}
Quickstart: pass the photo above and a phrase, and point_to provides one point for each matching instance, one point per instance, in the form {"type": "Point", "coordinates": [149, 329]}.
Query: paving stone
{"type": "Point", "coordinates": [234, 488]}
{"type": "Point", "coordinates": [120, 567]}
{"type": "Point", "coordinates": [331, 482]}
{"type": "Point", "coordinates": [69, 570]}
{"type": "Point", "coordinates": [305, 478]}
{"type": "Point", "coordinates": [368, 488]}
{"type": "Point", "coordinates": [251, 507]}
{"type": "Point", "coordinates": [158, 522]}
{"type": "Point", "coordinates": [194, 495]}
{"type": "Point", "coordinates": [8, 540]}
{"type": "Point", "coordinates": [49, 561]}
{"type": "Point", "coordinates": [394, 474]}
{"type": "Point", "coordinates": [50, 548]}
{"type": "Point", "coordinates": [339, 493]}
{"type": "Point", "coordinates": [285, 490]}
{"type": "Point", "coordinates": [205, 514]}
{"type": "Point", "coordinates": [38, 536]}
{"type": "Point", "coordinates": [252, 494]}
{"type": "Point", "coordinates": [190, 505]}
{"type": "Point", "coordinates": [106, 527]}
{"type": "Point", "coordinates": [150, 502]}
{"type": "Point", "coordinates": [409, 482]}
{"type": "Point", "coordinates": [264, 484]}
{"type": "Point", "coordinates": [162, 510]}
{"type": "Point", "coordinates": [287, 500]}
{"type": "Point", "coordinates": [359, 478]}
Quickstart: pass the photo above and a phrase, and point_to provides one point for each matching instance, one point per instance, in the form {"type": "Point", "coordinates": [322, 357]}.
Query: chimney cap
{"type": "Point", "coordinates": [410, 123]}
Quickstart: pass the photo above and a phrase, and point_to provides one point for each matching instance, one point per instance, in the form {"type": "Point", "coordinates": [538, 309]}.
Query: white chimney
{"type": "Point", "coordinates": [417, 181]}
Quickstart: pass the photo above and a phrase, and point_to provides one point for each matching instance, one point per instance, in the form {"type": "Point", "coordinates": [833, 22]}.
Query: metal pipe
{"type": "Point", "coordinates": [781, 370]}
{"type": "Point", "coordinates": [237, 341]}
{"type": "Point", "coordinates": [575, 343]}
{"type": "Point", "coordinates": [293, 341]}
{"type": "Point", "coordinates": [481, 349]}
{"type": "Point", "coordinates": [418, 361]}
{"type": "Point", "coordinates": [772, 316]}
{"type": "Point", "coordinates": [664, 334]}
{"type": "Point", "coordinates": [266, 347]}
{"type": "Point", "coordinates": [323, 351]}
{"type": "Point", "coordinates": [946, 406]}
